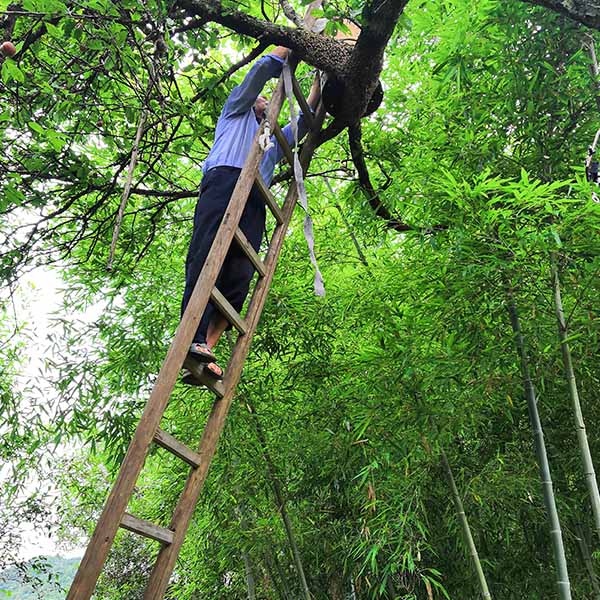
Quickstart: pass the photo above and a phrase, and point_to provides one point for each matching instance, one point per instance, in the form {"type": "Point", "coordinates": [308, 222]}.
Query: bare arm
{"type": "Point", "coordinates": [280, 51]}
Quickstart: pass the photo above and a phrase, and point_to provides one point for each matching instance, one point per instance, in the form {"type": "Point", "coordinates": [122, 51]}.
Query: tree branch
{"type": "Point", "coordinates": [322, 52]}
{"type": "Point", "coordinates": [291, 14]}
{"type": "Point", "coordinates": [356, 150]}
{"type": "Point", "coordinates": [581, 11]}
{"type": "Point", "coordinates": [236, 67]}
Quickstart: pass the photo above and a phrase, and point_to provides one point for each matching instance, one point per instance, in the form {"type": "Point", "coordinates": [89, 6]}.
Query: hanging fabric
{"type": "Point", "coordinates": [319, 286]}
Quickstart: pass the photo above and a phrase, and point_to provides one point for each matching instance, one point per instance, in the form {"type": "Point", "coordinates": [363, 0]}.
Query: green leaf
{"type": "Point", "coordinates": [54, 31]}
{"type": "Point", "coordinates": [10, 71]}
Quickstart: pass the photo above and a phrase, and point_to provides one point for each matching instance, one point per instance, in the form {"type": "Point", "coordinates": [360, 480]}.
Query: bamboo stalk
{"type": "Point", "coordinates": [464, 523]}
{"type": "Point", "coordinates": [272, 567]}
{"type": "Point", "coordinates": [584, 447]}
{"type": "Point", "coordinates": [241, 509]}
{"type": "Point", "coordinates": [587, 559]}
{"type": "Point", "coordinates": [250, 584]}
{"type": "Point", "coordinates": [564, 586]}
{"type": "Point", "coordinates": [594, 70]}
{"type": "Point", "coordinates": [281, 504]}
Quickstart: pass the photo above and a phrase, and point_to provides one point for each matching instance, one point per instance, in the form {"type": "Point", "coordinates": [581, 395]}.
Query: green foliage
{"type": "Point", "coordinates": [479, 145]}
{"type": "Point", "coordinates": [40, 578]}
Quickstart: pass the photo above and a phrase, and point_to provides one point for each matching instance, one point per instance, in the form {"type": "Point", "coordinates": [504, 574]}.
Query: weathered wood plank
{"type": "Point", "coordinates": [249, 251]}
{"type": "Point", "coordinates": [225, 308]}
{"type": "Point", "coordinates": [147, 529]}
{"type": "Point", "coordinates": [198, 370]}
{"type": "Point", "coordinates": [174, 446]}
{"type": "Point", "coordinates": [287, 150]}
{"type": "Point", "coordinates": [269, 199]}
{"type": "Point", "coordinates": [307, 113]}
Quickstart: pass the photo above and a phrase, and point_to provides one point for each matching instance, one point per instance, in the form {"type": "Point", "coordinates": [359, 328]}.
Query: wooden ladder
{"type": "Point", "coordinates": [148, 431]}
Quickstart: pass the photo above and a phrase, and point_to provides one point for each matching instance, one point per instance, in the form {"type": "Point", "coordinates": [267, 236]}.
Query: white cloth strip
{"type": "Point", "coordinates": [299, 177]}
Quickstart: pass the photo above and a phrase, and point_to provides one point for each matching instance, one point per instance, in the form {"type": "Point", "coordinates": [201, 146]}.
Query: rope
{"type": "Point", "coordinates": [264, 139]}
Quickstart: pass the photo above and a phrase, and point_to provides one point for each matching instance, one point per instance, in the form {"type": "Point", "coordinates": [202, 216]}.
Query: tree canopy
{"type": "Point", "coordinates": [461, 197]}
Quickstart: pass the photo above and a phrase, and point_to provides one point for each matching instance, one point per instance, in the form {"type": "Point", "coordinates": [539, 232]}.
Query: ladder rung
{"type": "Point", "coordinates": [246, 246]}
{"type": "Point", "coordinates": [289, 155]}
{"type": "Point", "coordinates": [168, 442]}
{"type": "Point", "coordinates": [147, 529]}
{"type": "Point", "coordinates": [307, 113]}
{"type": "Point", "coordinates": [197, 370]}
{"type": "Point", "coordinates": [232, 315]}
{"type": "Point", "coordinates": [269, 198]}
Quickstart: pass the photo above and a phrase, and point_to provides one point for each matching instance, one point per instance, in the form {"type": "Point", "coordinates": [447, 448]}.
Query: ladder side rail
{"type": "Point", "coordinates": [167, 557]}
{"type": "Point", "coordinates": [107, 526]}
{"type": "Point", "coordinates": [308, 115]}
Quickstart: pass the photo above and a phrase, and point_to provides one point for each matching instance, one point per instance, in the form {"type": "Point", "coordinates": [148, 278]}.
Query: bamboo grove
{"type": "Point", "coordinates": [427, 430]}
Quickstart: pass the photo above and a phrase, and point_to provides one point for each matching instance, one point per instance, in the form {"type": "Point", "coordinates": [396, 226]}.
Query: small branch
{"type": "Point", "coordinates": [126, 189]}
{"type": "Point", "coordinates": [236, 67]}
{"type": "Point", "coordinates": [193, 24]}
{"type": "Point", "coordinates": [291, 14]}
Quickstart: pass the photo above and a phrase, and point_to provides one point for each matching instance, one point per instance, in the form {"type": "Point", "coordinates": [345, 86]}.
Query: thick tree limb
{"type": "Point", "coordinates": [583, 11]}
{"type": "Point", "coordinates": [358, 67]}
{"type": "Point", "coordinates": [358, 157]}
{"type": "Point", "coordinates": [322, 52]}
{"type": "Point", "coordinates": [366, 61]}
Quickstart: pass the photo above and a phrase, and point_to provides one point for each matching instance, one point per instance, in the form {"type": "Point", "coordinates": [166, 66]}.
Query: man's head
{"type": "Point", "coordinates": [260, 106]}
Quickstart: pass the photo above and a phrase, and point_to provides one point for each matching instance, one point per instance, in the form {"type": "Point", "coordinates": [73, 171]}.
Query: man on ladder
{"type": "Point", "coordinates": [237, 125]}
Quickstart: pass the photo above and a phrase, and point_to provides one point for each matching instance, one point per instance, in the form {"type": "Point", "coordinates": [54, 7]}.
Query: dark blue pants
{"type": "Point", "coordinates": [237, 271]}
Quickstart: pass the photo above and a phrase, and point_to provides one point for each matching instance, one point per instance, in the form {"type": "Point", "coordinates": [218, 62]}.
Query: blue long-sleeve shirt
{"type": "Point", "coordinates": [237, 124]}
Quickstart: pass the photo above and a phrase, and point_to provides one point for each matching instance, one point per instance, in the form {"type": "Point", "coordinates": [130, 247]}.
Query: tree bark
{"type": "Point", "coordinates": [358, 158]}
{"type": "Point", "coordinates": [358, 66]}
{"type": "Point", "coordinates": [464, 523]}
{"type": "Point", "coordinates": [323, 52]}
{"type": "Point", "coordinates": [564, 586]}
{"type": "Point", "coordinates": [583, 11]}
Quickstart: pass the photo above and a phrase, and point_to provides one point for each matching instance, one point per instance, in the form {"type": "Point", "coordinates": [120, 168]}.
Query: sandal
{"type": "Point", "coordinates": [218, 375]}
{"type": "Point", "coordinates": [202, 353]}
{"type": "Point", "coordinates": [189, 378]}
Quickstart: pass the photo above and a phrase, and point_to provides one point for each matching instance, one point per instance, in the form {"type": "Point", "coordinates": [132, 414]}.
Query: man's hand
{"type": "Point", "coordinates": [280, 51]}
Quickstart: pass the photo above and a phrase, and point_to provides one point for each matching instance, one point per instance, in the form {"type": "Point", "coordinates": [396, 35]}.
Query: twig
{"type": "Point", "coordinates": [126, 189]}
{"type": "Point", "coordinates": [291, 14]}
{"type": "Point", "coordinates": [236, 67]}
